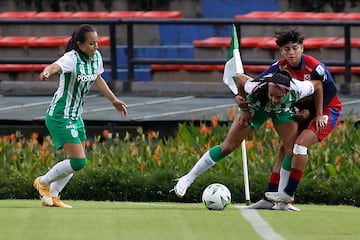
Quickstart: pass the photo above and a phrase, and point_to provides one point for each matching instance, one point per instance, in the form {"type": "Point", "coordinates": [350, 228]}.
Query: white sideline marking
{"type": "Point", "coordinates": [32, 104]}
{"type": "Point", "coordinates": [259, 224]}
{"type": "Point", "coordinates": [142, 103]}
{"type": "Point", "coordinates": [183, 111]}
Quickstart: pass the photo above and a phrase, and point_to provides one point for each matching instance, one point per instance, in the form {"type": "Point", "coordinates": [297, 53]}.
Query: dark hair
{"type": "Point", "coordinates": [281, 78]}
{"type": "Point", "coordinates": [79, 35]}
{"type": "Point", "coordinates": [287, 35]}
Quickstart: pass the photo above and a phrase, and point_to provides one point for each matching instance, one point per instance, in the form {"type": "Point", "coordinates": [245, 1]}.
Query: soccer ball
{"type": "Point", "coordinates": [216, 196]}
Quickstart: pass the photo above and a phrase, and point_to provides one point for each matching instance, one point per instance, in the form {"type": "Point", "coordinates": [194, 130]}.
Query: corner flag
{"type": "Point", "coordinates": [233, 63]}
{"type": "Point", "coordinates": [234, 66]}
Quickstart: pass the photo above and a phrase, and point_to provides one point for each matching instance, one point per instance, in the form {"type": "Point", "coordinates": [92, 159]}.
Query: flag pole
{"type": "Point", "coordinates": [234, 66]}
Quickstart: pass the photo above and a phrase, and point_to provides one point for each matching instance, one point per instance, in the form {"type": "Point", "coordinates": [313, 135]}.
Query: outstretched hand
{"type": "Point", "coordinates": [120, 107]}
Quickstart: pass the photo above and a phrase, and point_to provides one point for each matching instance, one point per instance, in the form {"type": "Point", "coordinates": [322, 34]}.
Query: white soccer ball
{"type": "Point", "coordinates": [216, 196]}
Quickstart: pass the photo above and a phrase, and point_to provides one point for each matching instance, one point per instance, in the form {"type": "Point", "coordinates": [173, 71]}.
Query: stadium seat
{"type": "Point", "coordinates": [355, 42]}
{"type": "Point", "coordinates": [267, 43]}
{"type": "Point", "coordinates": [53, 15]}
{"type": "Point", "coordinates": [351, 16]}
{"type": "Point", "coordinates": [213, 42]}
{"type": "Point", "coordinates": [320, 42]}
{"type": "Point", "coordinates": [161, 14]}
{"type": "Point", "coordinates": [86, 14]}
{"type": "Point", "coordinates": [255, 68]}
{"type": "Point", "coordinates": [124, 14]}
{"type": "Point", "coordinates": [22, 67]}
{"type": "Point", "coordinates": [327, 16]}
{"type": "Point", "coordinates": [104, 41]}
{"type": "Point", "coordinates": [49, 41]}
{"type": "Point", "coordinates": [294, 15]}
{"type": "Point", "coordinates": [258, 15]}
{"type": "Point", "coordinates": [218, 42]}
{"type": "Point", "coordinates": [251, 42]}
{"type": "Point", "coordinates": [16, 41]}
{"type": "Point", "coordinates": [17, 14]}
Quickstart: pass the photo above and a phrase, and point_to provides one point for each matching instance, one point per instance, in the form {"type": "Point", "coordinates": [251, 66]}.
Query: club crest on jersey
{"type": "Point", "coordinates": [87, 78]}
{"type": "Point", "coordinates": [307, 77]}
{"type": "Point", "coordinates": [74, 133]}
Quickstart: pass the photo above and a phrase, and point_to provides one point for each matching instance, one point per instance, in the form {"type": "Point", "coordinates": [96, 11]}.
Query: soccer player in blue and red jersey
{"type": "Point", "coordinates": [283, 183]}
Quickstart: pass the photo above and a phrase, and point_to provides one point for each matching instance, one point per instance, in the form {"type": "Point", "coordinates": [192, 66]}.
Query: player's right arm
{"type": "Point", "coordinates": [49, 71]}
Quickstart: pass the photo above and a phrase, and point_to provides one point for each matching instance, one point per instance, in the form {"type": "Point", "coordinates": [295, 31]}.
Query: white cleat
{"type": "Point", "coordinates": [285, 207]}
{"type": "Point", "coordinates": [279, 197]}
{"type": "Point", "coordinates": [181, 186]}
{"type": "Point", "coordinates": [261, 204]}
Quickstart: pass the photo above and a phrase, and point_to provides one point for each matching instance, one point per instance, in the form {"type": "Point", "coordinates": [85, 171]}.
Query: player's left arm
{"type": "Point", "coordinates": [318, 104]}
{"type": "Point", "coordinates": [106, 91]}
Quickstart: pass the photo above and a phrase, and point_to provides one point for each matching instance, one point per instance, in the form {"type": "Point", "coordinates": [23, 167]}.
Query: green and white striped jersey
{"type": "Point", "coordinates": [298, 90]}
{"type": "Point", "coordinates": [78, 73]}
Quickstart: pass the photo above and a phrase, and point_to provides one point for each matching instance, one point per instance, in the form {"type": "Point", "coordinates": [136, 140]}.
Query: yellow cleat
{"type": "Point", "coordinates": [58, 203]}
{"type": "Point", "coordinates": [44, 192]}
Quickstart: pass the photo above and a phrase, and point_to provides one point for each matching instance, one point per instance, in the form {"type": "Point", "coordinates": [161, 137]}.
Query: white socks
{"type": "Point", "coordinates": [60, 170]}
{"type": "Point", "coordinates": [57, 186]}
{"type": "Point", "coordinates": [284, 179]}
{"type": "Point", "coordinates": [204, 163]}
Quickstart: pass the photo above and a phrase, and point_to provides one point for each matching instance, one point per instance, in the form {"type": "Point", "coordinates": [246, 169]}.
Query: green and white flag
{"type": "Point", "coordinates": [233, 63]}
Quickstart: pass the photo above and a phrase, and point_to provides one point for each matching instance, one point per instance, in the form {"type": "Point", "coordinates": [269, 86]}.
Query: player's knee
{"type": "Point", "coordinates": [299, 149]}
{"type": "Point", "coordinates": [78, 163]}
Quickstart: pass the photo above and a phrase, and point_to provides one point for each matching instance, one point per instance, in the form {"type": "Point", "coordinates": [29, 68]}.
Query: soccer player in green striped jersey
{"type": "Point", "coordinates": [79, 67]}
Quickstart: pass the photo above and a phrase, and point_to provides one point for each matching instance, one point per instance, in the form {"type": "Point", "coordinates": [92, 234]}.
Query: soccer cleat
{"type": "Point", "coordinates": [44, 192]}
{"type": "Point", "coordinates": [279, 197]}
{"type": "Point", "coordinates": [182, 185]}
{"type": "Point", "coordinates": [58, 203]}
{"type": "Point", "coordinates": [261, 204]}
{"type": "Point", "coordinates": [285, 207]}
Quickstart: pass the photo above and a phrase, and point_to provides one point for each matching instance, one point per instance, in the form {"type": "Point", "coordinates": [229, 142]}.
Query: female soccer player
{"type": "Point", "coordinates": [79, 67]}
{"type": "Point", "coordinates": [283, 183]}
{"type": "Point", "coordinates": [272, 97]}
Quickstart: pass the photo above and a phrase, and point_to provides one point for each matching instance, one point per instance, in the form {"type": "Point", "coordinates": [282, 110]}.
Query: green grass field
{"type": "Point", "coordinates": [27, 219]}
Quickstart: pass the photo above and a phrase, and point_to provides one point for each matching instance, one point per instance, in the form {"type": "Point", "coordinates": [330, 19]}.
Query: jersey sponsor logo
{"type": "Point", "coordinates": [321, 72]}
{"type": "Point", "coordinates": [87, 78]}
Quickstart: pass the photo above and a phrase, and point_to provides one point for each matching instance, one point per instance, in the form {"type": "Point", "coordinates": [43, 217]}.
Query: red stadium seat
{"type": "Point", "coordinates": [355, 42]}
{"type": "Point", "coordinates": [320, 42]}
{"type": "Point", "coordinates": [258, 15]}
{"type": "Point", "coordinates": [161, 14]}
{"type": "Point", "coordinates": [352, 16]}
{"type": "Point", "coordinates": [124, 14]}
{"type": "Point", "coordinates": [104, 41]}
{"type": "Point", "coordinates": [213, 42]}
{"type": "Point", "coordinates": [86, 14]}
{"type": "Point", "coordinates": [294, 15]}
{"type": "Point", "coordinates": [49, 41]}
{"type": "Point", "coordinates": [255, 68]}
{"type": "Point", "coordinates": [251, 42]}
{"type": "Point", "coordinates": [328, 16]}
{"type": "Point", "coordinates": [16, 41]}
{"type": "Point", "coordinates": [22, 67]}
{"type": "Point", "coordinates": [268, 43]}
{"type": "Point", "coordinates": [219, 42]}
{"type": "Point", "coordinates": [17, 14]}
{"type": "Point", "coordinates": [53, 15]}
